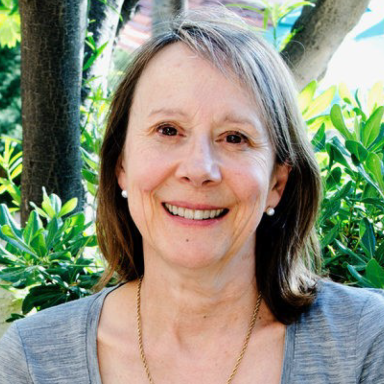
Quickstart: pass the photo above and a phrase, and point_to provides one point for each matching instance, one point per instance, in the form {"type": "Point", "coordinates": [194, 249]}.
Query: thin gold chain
{"type": "Point", "coordinates": [140, 335]}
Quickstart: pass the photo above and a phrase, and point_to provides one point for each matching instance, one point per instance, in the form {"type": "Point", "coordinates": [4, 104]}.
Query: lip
{"type": "Point", "coordinates": [191, 222]}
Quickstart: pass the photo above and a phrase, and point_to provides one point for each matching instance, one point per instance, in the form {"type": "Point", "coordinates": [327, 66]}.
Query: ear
{"type": "Point", "coordinates": [120, 173]}
{"type": "Point", "coordinates": [278, 182]}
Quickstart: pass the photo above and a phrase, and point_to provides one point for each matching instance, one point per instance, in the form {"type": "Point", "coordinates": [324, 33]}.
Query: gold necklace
{"type": "Point", "coordinates": [140, 335]}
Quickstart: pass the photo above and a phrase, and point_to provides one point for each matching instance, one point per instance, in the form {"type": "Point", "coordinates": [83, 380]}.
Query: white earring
{"type": "Point", "coordinates": [270, 211]}
{"type": "Point", "coordinates": [124, 193]}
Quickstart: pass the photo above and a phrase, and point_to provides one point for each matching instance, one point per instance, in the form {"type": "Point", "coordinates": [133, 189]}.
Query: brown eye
{"type": "Point", "coordinates": [167, 130]}
{"type": "Point", "coordinates": [235, 138]}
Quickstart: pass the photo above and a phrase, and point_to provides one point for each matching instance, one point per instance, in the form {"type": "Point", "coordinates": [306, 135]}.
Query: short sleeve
{"type": "Point", "coordinates": [13, 365]}
{"type": "Point", "coordinates": [370, 341]}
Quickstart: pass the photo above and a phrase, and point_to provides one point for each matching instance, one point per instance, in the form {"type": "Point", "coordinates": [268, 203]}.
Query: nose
{"type": "Point", "coordinates": [199, 165]}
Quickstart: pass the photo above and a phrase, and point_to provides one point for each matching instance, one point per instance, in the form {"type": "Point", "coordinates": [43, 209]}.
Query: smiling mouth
{"type": "Point", "coordinates": [195, 214]}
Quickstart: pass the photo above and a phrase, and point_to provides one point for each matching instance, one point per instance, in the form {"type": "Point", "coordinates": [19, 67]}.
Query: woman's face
{"type": "Point", "coordinates": [197, 163]}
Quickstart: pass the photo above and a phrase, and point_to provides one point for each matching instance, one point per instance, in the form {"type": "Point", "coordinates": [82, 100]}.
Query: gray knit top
{"type": "Point", "coordinates": [340, 340]}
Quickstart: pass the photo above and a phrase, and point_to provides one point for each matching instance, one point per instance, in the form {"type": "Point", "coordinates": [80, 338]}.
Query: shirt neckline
{"type": "Point", "coordinates": [91, 340]}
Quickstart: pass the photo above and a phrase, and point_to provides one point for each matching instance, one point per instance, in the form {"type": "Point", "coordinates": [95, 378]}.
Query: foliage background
{"type": "Point", "coordinates": [54, 258]}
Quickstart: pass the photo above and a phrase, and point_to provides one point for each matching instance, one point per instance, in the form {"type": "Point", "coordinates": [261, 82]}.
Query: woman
{"type": "Point", "coordinates": [208, 197]}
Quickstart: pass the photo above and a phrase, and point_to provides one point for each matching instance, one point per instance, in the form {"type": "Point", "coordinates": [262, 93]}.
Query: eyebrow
{"type": "Point", "coordinates": [231, 118]}
{"type": "Point", "coordinates": [240, 120]}
{"type": "Point", "coordinates": [167, 111]}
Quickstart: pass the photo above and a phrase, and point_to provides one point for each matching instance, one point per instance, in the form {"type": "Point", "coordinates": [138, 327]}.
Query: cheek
{"type": "Point", "coordinates": [146, 172]}
{"type": "Point", "coordinates": [147, 167]}
{"type": "Point", "coordinates": [251, 180]}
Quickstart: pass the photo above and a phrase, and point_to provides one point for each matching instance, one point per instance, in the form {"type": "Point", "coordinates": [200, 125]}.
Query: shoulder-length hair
{"type": "Point", "coordinates": [286, 245]}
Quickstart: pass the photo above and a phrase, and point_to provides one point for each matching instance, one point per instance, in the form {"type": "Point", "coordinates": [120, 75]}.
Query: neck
{"type": "Point", "coordinates": [191, 305]}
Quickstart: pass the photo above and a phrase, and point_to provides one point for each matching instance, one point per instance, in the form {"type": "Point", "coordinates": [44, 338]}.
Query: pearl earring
{"type": "Point", "coordinates": [270, 211]}
{"type": "Point", "coordinates": [124, 193]}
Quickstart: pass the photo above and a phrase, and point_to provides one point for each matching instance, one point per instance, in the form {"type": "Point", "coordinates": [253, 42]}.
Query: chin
{"type": "Point", "coordinates": [193, 259]}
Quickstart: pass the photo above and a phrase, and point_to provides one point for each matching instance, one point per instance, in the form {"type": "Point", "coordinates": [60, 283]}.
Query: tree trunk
{"type": "Point", "coordinates": [128, 10]}
{"type": "Point", "coordinates": [51, 65]}
{"type": "Point", "coordinates": [103, 21]}
{"type": "Point", "coordinates": [319, 32]}
{"type": "Point", "coordinates": [163, 11]}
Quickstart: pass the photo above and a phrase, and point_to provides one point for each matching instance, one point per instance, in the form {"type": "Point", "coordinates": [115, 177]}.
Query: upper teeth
{"type": "Point", "coordinates": [195, 214]}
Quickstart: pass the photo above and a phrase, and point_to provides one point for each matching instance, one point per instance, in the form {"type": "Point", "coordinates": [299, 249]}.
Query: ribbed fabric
{"type": "Point", "coordinates": [340, 340]}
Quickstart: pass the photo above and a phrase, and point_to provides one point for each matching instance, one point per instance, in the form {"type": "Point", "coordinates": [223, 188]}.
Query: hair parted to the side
{"type": "Point", "coordinates": [286, 245]}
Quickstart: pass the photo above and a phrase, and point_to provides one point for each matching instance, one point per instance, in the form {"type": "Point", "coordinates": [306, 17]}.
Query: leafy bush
{"type": "Point", "coordinates": [10, 170]}
{"type": "Point", "coordinates": [9, 23]}
{"type": "Point", "coordinates": [350, 146]}
{"type": "Point", "coordinates": [10, 100]}
{"type": "Point", "coordinates": [47, 259]}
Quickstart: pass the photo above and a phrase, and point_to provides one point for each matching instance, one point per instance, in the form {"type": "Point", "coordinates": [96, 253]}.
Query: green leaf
{"type": "Point", "coordinates": [375, 167]}
{"type": "Point", "coordinates": [315, 123]}
{"type": "Point", "coordinates": [94, 57]}
{"type": "Point", "coordinates": [8, 4]}
{"type": "Point", "coordinates": [333, 178]}
{"type": "Point", "coordinates": [338, 122]}
{"type": "Point", "coordinates": [55, 203]}
{"type": "Point", "coordinates": [357, 149]}
{"type": "Point", "coordinates": [39, 245]}
{"type": "Point", "coordinates": [33, 225]}
{"type": "Point", "coordinates": [369, 180]}
{"type": "Point", "coordinates": [375, 274]}
{"type": "Point", "coordinates": [266, 18]}
{"type": "Point", "coordinates": [349, 252]}
{"type": "Point", "coordinates": [371, 130]}
{"type": "Point", "coordinates": [47, 206]}
{"type": "Point", "coordinates": [89, 160]}
{"type": "Point", "coordinates": [9, 29]}
{"type": "Point", "coordinates": [12, 274]}
{"type": "Point", "coordinates": [318, 141]}
{"type": "Point", "coordinates": [90, 41]}
{"type": "Point", "coordinates": [68, 207]}
{"type": "Point", "coordinates": [39, 210]}
{"type": "Point", "coordinates": [321, 103]}
{"type": "Point", "coordinates": [10, 237]}
{"type": "Point", "coordinates": [377, 203]}
{"type": "Point", "coordinates": [375, 96]}
{"type": "Point", "coordinates": [330, 236]}
{"type": "Point", "coordinates": [367, 237]}
{"type": "Point", "coordinates": [357, 98]}
{"type": "Point", "coordinates": [363, 282]}
{"type": "Point", "coordinates": [330, 208]}
{"type": "Point", "coordinates": [6, 218]}
{"type": "Point", "coordinates": [379, 255]}
{"type": "Point", "coordinates": [306, 96]}
{"type": "Point", "coordinates": [17, 171]}
{"type": "Point", "coordinates": [346, 95]}
{"type": "Point", "coordinates": [44, 296]}
{"type": "Point", "coordinates": [53, 231]}
{"type": "Point", "coordinates": [335, 155]}
{"type": "Point", "coordinates": [16, 159]}
{"type": "Point", "coordinates": [48, 209]}
{"type": "Point", "coordinates": [379, 142]}
{"type": "Point", "coordinates": [344, 191]}
{"type": "Point", "coordinates": [90, 176]}
{"type": "Point", "coordinates": [13, 317]}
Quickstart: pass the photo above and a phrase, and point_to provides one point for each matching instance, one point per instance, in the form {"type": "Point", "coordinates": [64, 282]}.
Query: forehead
{"type": "Point", "coordinates": [177, 74]}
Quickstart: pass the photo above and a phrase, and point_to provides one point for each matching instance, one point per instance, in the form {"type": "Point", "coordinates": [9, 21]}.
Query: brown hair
{"type": "Point", "coordinates": [286, 246]}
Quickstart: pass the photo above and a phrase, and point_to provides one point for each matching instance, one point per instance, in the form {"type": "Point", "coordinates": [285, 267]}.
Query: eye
{"type": "Point", "coordinates": [167, 130]}
{"type": "Point", "coordinates": [236, 138]}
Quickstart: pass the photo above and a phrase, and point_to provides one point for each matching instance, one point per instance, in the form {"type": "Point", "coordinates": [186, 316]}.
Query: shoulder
{"type": "Point", "coordinates": [339, 307]}
{"type": "Point", "coordinates": [68, 318]}
{"type": "Point", "coordinates": [52, 338]}
{"type": "Point", "coordinates": [343, 333]}
{"type": "Point", "coordinates": [348, 304]}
